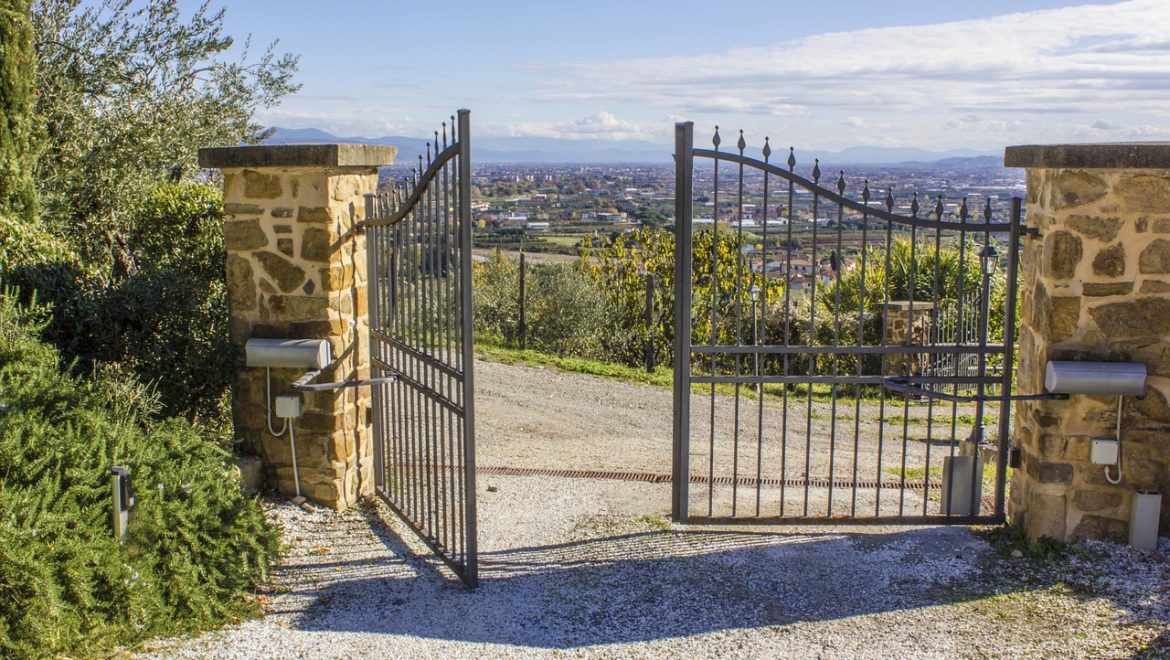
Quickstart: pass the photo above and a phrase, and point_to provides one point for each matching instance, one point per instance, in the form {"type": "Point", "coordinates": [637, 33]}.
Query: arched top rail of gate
{"type": "Point", "coordinates": [838, 197]}
{"type": "Point", "coordinates": [389, 208]}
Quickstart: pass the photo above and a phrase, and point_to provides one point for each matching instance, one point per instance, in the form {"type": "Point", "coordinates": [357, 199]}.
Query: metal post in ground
{"type": "Point", "coordinates": [684, 162]}
{"type": "Point", "coordinates": [649, 354]}
{"type": "Point", "coordinates": [523, 330]}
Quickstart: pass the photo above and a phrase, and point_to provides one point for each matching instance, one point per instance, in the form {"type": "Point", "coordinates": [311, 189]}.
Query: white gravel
{"type": "Point", "coordinates": [585, 567]}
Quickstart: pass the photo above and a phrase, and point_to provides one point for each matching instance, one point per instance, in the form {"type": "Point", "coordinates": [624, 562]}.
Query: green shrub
{"type": "Point", "coordinates": [565, 311]}
{"type": "Point", "coordinates": [176, 318]}
{"type": "Point", "coordinates": [166, 322]}
{"type": "Point", "coordinates": [24, 245]}
{"type": "Point", "coordinates": [180, 227]}
{"type": "Point", "coordinates": [496, 299]}
{"type": "Point", "coordinates": [195, 547]}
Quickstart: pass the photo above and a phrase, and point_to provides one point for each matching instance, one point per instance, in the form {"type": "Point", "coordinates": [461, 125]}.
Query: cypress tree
{"type": "Point", "coordinates": [17, 68]}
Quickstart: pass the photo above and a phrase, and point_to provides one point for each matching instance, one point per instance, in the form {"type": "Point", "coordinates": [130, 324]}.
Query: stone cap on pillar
{"type": "Point", "coordinates": [1116, 155]}
{"type": "Point", "coordinates": [298, 155]}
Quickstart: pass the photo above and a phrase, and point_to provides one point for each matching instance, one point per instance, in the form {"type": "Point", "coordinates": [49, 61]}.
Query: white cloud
{"type": "Point", "coordinates": [995, 79]}
{"type": "Point", "coordinates": [599, 125]}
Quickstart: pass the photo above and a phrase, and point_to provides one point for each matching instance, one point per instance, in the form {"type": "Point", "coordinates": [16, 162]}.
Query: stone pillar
{"type": "Point", "coordinates": [1095, 285]}
{"type": "Point", "coordinates": [296, 268]}
{"type": "Point", "coordinates": [902, 330]}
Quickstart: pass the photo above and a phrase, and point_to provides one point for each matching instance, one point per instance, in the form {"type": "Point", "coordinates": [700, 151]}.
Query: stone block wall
{"type": "Point", "coordinates": [296, 268]}
{"type": "Point", "coordinates": [906, 324]}
{"type": "Point", "coordinates": [1095, 285]}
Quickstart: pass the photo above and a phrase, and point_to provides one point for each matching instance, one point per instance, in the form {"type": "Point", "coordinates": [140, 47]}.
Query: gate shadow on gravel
{"type": "Point", "coordinates": [650, 585]}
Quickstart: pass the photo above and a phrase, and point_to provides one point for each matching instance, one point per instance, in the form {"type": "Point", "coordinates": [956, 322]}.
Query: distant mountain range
{"type": "Point", "coordinates": [555, 150]}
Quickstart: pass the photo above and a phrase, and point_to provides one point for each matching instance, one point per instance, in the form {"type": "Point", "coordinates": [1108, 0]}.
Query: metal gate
{"type": "Point", "coordinates": [839, 352]}
{"type": "Point", "coordinates": [418, 242]}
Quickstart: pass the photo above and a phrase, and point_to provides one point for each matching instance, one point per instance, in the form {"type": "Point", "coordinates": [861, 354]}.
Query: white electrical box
{"type": "Point", "coordinates": [1103, 451]}
{"type": "Point", "coordinates": [288, 406]}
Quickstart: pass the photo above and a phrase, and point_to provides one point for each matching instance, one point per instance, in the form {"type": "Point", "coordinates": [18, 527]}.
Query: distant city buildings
{"type": "Point", "coordinates": [792, 233]}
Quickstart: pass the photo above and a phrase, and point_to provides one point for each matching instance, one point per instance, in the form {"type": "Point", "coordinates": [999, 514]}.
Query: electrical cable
{"type": "Point", "coordinates": [1120, 401]}
{"type": "Point", "coordinates": [268, 407]}
{"type": "Point", "coordinates": [292, 441]}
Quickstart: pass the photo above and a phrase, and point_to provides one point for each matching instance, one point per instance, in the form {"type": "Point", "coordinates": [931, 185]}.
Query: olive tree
{"type": "Point", "coordinates": [127, 92]}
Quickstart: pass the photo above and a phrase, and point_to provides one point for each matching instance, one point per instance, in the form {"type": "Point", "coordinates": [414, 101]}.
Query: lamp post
{"type": "Point", "coordinates": [754, 292]}
{"type": "Point", "coordinates": [988, 259]}
{"type": "Point", "coordinates": [988, 263]}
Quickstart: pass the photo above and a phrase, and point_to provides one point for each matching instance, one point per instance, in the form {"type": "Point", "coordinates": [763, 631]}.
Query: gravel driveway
{"type": "Point", "coordinates": [575, 566]}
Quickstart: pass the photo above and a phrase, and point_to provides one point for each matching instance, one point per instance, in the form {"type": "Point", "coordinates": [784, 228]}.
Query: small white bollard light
{"type": "Point", "coordinates": [123, 500]}
{"type": "Point", "coordinates": [1143, 520]}
{"type": "Point", "coordinates": [962, 485]}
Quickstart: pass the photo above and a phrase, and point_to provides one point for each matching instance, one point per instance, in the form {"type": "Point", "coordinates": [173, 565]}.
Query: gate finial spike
{"type": "Point", "coordinates": [914, 205]}
{"type": "Point", "coordinates": [715, 140]}
{"type": "Point", "coordinates": [454, 137]}
{"type": "Point", "coordinates": [987, 211]}
{"type": "Point", "coordinates": [889, 200]}
{"type": "Point", "coordinates": [938, 208]}
{"type": "Point", "coordinates": [428, 153]}
{"type": "Point", "coordinates": [445, 134]}
{"type": "Point", "coordinates": [841, 183]}
{"type": "Point", "coordinates": [791, 158]}
{"type": "Point", "coordinates": [741, 144]}
{"type": "Point", "coordinates": [865, 192]}
{"type": "Point", "coordinates": [816, 173]}
{"type": "Point", "coordinates": [963, 212]}
{"type": "Point", "coordinates": [767, 149]}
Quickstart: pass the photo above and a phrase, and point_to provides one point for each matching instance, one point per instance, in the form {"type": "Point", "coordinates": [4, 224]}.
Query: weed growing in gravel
{"type": "Point", "coordinates": [655, 521]}
{"type": "Point", "coordinates": [1006, 540]}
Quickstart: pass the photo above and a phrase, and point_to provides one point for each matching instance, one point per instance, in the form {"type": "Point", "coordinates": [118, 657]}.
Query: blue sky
{"type": "Point", "coordinates": [936, 75]}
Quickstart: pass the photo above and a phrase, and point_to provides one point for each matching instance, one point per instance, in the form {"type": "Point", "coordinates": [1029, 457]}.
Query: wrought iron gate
{"type": "Point", "coordinates": [418, 244]}
{"type": "Point", "coordinates": [825, 360]}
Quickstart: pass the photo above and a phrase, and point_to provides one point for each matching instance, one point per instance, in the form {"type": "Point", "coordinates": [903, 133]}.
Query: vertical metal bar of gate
{"type": "Point", "coordinates": [468, 358]}
{"type": "Point", "coordinates": [684, 163]}
{"type": "Point", "coordinates": [420, 270]}
{"type": "Point", "coordinates": [1009, 358]}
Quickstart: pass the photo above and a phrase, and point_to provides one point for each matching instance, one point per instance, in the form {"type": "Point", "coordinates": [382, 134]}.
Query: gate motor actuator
{"type": "Point", "coordinates": [1111, 378]}
{"type": "Point", "coordinates": [1115, 378]}
{"type": "Point", "coordinates": [1121, 379]}
{"type": "Point", "coordinates": [312, 355]}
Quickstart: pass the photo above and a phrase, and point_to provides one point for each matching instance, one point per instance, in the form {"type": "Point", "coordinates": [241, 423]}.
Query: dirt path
{"type": "Point", "coordinates": [542, 418]}
{"type": "Point", "coordinates": [532, 417]}
{"type": "Point", "coordinates": [589, 567]}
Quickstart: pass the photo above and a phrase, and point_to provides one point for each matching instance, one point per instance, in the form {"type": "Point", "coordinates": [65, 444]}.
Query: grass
{"type": "Point", "coordinates": [960, 420]}
{"type": "Point", "coordinates": [660, 377]}
{"type": "Point", "coordinates": [563, 241]}
{"type": "Point", "coordinates": [655, 522]}
{"type": "Point", "coordinates": [914, 473]}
